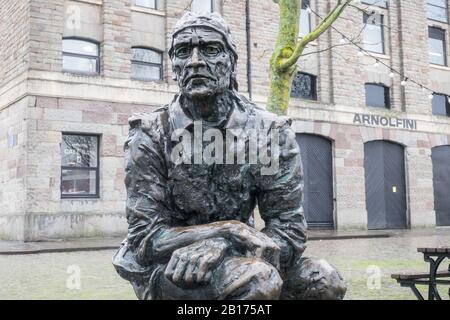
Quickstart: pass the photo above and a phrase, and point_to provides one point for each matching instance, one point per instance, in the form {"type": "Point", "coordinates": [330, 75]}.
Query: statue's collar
{"type": "Point", "coordinates": [177, 117]}
{"type": "Point", "coordinates": [237, 119]}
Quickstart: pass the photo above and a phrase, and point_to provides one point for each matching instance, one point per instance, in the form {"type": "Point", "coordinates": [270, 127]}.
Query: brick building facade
{"type": "Point", "coordinates": [121, 49]}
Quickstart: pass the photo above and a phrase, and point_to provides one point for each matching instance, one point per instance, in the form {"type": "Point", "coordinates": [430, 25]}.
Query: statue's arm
{"type": "Point", "coordinates": [173, 238]}
{"type": "Point", "coordinates": [241, 237]}
{"type": "Point", "coordinates": [147, 206]}
{"type": "Point", "coordinates": [280, 200]}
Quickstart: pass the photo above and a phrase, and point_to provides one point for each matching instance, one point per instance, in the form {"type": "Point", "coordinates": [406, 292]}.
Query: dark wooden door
{"type": "Point", "coordinates": [384, 164]}
{"type": "Point", "coordinates": [317, 164]}
{"type": "Point", "coordinates": [441, 183]}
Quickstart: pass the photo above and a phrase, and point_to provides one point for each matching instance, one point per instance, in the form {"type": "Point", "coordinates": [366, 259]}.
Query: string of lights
{"type": "Point", "coordinates": [361, 52]}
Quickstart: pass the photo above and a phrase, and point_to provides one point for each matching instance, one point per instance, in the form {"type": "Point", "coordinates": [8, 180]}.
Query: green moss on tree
{"type": "Point", "coordinates": [288, 49]}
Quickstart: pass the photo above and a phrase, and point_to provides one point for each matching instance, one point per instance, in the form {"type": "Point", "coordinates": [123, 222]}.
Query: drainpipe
{"type": "Point", "coordinates": [402, 55]}
{"type": "Point", "coordinates": [249, 49]}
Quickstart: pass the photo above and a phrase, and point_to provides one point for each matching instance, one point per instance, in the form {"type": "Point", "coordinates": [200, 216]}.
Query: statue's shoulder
{"type": "Point", "coordinates": [267, 121]}
{"type": "Point", "coordinates": [149, 121]}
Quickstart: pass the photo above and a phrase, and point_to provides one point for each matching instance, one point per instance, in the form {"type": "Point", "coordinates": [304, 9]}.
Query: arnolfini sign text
{"type": "Point", "coordinates": [376, 120]}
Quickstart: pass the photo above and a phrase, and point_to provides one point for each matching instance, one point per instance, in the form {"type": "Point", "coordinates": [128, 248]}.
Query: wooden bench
{"type": "Point", "coordinates": [410, 280]}
{"type": "Point", "coordinates": [434, 256]}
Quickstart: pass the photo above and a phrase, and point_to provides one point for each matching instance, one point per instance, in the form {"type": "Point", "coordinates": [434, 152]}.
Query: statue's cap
{"type": "Point", "coordinates": [207, 20]}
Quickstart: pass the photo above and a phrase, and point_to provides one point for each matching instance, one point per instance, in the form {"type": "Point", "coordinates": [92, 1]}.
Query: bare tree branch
{"type": "Point", "coordinates": [313, 35]}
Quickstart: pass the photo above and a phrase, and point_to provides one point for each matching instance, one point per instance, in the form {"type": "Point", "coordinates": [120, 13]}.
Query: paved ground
{"type": "Point", "coordinates": [55, 275]}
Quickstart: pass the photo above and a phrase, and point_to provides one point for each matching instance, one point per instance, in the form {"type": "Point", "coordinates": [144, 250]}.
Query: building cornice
{"type": "Point", "coordinates": [345, 115]}
{"type": "Point", "coordinates": [61, 85]}
{"type": "Point", "coordinates": [64, 85]}
{"type": "Point", "coordinates": [14, 90]}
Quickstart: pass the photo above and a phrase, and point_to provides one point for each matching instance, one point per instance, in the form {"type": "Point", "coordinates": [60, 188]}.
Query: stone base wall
{"type": "Point", "coordinates": [67, 225]}
{"type": "Point", "coordinates": [13, 129]}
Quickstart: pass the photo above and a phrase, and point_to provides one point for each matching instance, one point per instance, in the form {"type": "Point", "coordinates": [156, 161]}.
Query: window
{"type": "Point", "coordinates": [436, 46]}
{"type": "Point", "coordinates": [304, 86]}
{"type": "Point", "coordinates": [13, 138]}
{"type": "Point", "coordinates": [379, 3]}
{"type": "Point", "coordinates": [373, 33]}
{"type": "Point", "coordinates": [305, 19]}
{"type": "Point", "coordinates": [437, 10]}
{"type": "Point", "coordinates": [147, 3]}
{"type": "Point", "coordinates": [200, 6]}
{"type": "Point", "coordinates": [146, 64]}
{"type": "Point", "coordinates": [80, 56]}
{"type": "Point", "coordinates": [441, 105]}
{"type": "Point", "coordinates": [377, 96]}
{"type": "Point", "coordinates": [79, 166]}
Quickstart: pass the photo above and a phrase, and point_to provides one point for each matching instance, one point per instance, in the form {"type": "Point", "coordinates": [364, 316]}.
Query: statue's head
{"type": "Point", "coordinates": [203, 55]}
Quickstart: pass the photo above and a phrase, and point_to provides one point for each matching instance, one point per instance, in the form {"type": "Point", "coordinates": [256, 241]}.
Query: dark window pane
{"type": "Point", "coordinates": [79, 151]}
{"type": "Point", "coordinates": [146, 3]}
{"type": "Point", "coordinates": [377, 96]}
{"type": "Point", "coordinates": [373, 33]}
{"type": "Point", "coordinates": [145, 72]}
{"type": "Point", "coordinates": [79, 160]}
{"type": "Point", "coordinates": [78, 182]}
{"type": "Point", "coordinates": [379, 3]}
{"type": "Point", "coordinates": [436, 46]}
{"type": "Point", "coordinates": [146, 55]}
{"type": "Point", "coordinates": [304, 86]}
{"type": "Point", "coordinates": [200, 6]}
{"type": "Point", "coordinates": [80, 47]}
{"type": "Point", "coordinates": [80, 64]}
{"type": "Point", "coordinates": [441, 105]}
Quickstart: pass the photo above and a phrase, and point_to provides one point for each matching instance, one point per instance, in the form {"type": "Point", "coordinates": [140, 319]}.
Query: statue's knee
{"type": "Point", "coordinates": [313, 279]}
{"type": "Point", "coordinates": [268, 281]}
{"type": "Point", "coordinates": [252, 280]}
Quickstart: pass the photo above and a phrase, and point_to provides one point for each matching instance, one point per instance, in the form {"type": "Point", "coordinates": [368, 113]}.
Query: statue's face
{"type": "Point", "coordinates": [201, 62]}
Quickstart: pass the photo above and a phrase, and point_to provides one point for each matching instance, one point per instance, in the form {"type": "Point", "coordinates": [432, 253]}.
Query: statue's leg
{"type": "Point", "coordinates": [248, 279]}
{"type": "Point", "coordinates": [235, 279]}
{"type": "Point", "coordinates": [312, 279]}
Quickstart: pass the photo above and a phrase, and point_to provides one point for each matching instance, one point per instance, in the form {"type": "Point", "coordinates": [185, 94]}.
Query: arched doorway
{"type": "Point", "coordinates": [384, 165]}
{"type": "Point", "coordinates": [441, 183]}
{"type": "Point", "coordinates": [317, 161]}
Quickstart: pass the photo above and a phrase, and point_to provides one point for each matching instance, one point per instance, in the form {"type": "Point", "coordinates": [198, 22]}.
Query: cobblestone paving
{"type": "Point", "coordinates": [50, 275]}
{"type": "Point", "coordinates": [359, 260]}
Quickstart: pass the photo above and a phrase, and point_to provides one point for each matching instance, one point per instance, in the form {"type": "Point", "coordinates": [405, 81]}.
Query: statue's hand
{"type": "Point", "coordinates": [193, 265]}
{"type": "Point", "coordinates": [257, 244]}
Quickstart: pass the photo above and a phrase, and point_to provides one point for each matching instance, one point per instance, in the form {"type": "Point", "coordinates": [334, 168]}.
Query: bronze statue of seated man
{"type": "Point", "coordinates": [190, 211]}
